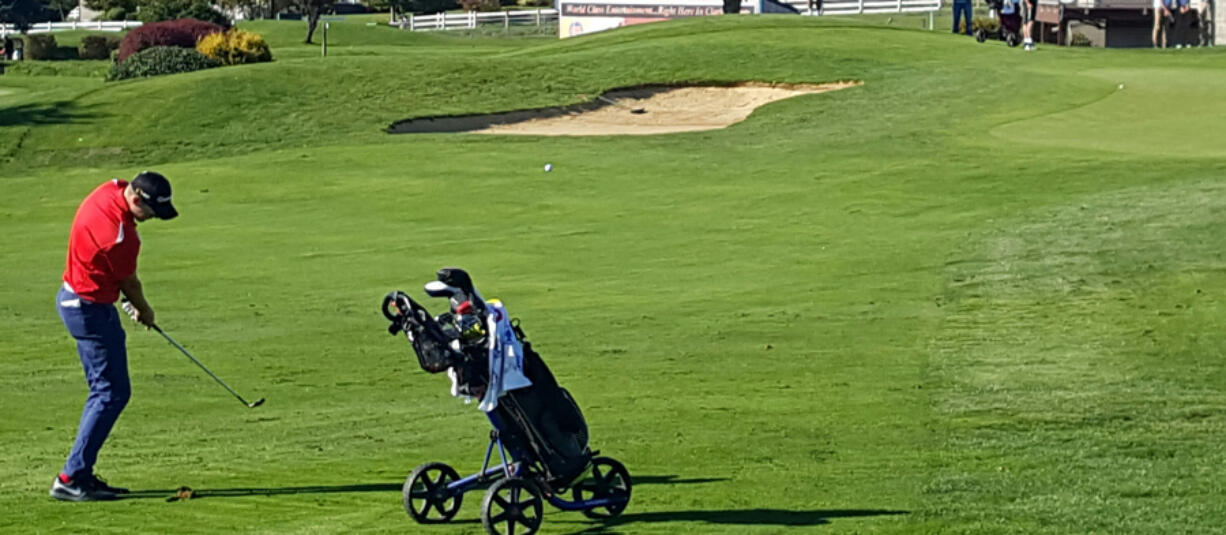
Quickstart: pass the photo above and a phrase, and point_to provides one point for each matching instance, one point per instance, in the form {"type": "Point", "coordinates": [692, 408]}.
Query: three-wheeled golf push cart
{"type": "Point", "coordinates": [538, 431]}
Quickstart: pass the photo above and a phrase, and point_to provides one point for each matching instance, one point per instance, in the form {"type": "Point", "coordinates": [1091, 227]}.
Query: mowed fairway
{"type": "Point", "coordinates": [980, 293]}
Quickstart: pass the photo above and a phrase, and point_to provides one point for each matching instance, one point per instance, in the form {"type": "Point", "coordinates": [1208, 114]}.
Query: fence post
{"type": "Point", "coordinates": [859, 6]}
{"type": "Point", "coordinates": [506, 20]}
{"type": "Point", "coordinates": [442, 21]}
{"type": "Point", "coordinates": [410, 22]}
{"type": "Point", "coordinates": [472, 20]}
{"type": "Point", "coordinates": [538, 16]}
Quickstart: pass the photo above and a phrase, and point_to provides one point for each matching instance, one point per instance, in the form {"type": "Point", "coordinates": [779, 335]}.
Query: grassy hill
{"type": "Point", "coordinates": [979, 293]}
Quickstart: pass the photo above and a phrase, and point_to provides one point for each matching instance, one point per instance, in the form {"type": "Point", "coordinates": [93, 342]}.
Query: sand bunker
{"type": "Point", "coordinates": [637, 111]}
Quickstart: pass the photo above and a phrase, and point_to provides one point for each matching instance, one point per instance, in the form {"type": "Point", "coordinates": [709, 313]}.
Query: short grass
{"type": "Point", "coordinates": [965, 297]}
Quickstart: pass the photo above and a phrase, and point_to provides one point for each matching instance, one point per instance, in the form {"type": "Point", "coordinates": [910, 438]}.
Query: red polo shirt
{"type": "Point", "coordinates": [103, 245]}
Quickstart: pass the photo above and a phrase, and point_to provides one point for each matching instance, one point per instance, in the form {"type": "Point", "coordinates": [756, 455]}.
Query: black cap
{"type": "Point", "coordinates": [154, 191]}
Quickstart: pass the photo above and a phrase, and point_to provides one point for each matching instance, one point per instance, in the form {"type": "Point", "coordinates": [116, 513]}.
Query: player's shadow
{"type": "Point", "coordinates": [263, 491]}
{"type": "Point", "coordinates": [673, 480]}
{"type": "Point", "coordinates": [743, 517]}
{"type": "Point", "coordinates": [172, 494]}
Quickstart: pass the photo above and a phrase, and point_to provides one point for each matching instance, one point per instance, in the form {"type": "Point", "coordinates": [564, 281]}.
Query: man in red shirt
{"type": "Point", "coordinates": [102, 250]}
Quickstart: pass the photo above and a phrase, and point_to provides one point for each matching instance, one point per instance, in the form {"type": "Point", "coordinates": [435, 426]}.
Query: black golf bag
{"type": "Point", "coordinates": [540, 424]}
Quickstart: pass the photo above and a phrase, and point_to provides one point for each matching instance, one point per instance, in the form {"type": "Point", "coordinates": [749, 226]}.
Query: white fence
{"type": "Point", "coordinates": [98, 26]}
{"type": "Point", "coordinates": [470, 20]}
{"type": "Point", "coordinates": [857, 7]}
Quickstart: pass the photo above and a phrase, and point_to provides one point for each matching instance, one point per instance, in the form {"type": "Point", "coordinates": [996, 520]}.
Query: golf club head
{"type": "Point", "coordinates": [455, 295]}
{"type": "Point", "coordinates": [255, 403]}
{"type": "Point", "coordinates": [441, 289]}
{"type": "Point", "coordinates": [456, 277]}
{"type": "Point", "coordinates": [460, 280]}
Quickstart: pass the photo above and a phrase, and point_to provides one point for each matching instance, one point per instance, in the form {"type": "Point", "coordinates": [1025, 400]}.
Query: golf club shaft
{"type": "Point", "coordinates": [198, 363]}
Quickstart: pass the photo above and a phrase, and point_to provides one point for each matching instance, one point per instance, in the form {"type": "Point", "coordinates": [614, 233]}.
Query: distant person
{"type": "Point", "coordinates": [102, 250]}
{"type": "Point", "coordinates": [1204, 26]}
{"type": "Point", "coordinates": [1183, 20]}
{"type": "Point", "coordinates": [962, 10]}
{"type": "Point", "coordinates": [815, 7]}
{"type": "Point", "coordinates": [1032, 7]}
{"type": "Point", "coordinates": [1164, 18]}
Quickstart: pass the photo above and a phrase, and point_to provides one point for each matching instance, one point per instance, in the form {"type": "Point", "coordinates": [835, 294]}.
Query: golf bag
{"type": "Point", "coordinates": [488, 357]}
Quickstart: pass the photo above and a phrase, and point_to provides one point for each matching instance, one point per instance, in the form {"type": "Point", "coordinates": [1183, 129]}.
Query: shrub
{"type": "Point", "coordinates": [116, 13]}
{"type": "Point", "coordinates": [97, 46]}
{"type": "Point", "coordinates": [41, 46]}
{"type": "Point", "coordinates": [535, 3]}
{"type": "Point", "coordinates": [181, 33]}
{"type": "Point", "coordinates": [234, 47]}
{"type": "Point", "coordinates": [82, 69]}
{"type": "Point", "coordinates": [480, 5]}
{"type": "Point", "coordinates": [1080, 39]}
{"type": "Point", "coordinates": [160, 60]}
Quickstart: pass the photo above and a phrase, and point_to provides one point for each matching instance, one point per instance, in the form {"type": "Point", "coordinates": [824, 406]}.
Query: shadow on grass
{"type": "Point", "coordinates": [35, 114]}
{"type": "Point", "coordinates": [745, 517]}
{"type": "Point", "coordinates": [361, 487]}
{"type": "Point", "coordinates": [264, 491]}
{"type": "Point", "coordinates": [672, 480]}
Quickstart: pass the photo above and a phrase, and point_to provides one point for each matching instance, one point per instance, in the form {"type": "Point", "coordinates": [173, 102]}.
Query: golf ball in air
{"type": "Point", "coordinates": [548, 167]}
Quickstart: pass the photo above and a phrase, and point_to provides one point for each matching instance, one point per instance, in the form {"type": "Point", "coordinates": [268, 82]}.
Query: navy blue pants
{"type": "Point", "coordinates": [104, 355]}
{"type": "Point", "coordinates": [963, 10]}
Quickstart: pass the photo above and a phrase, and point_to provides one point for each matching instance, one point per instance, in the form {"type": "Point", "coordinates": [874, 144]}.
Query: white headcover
{"type": "Point", "coordinates": [506, 357]}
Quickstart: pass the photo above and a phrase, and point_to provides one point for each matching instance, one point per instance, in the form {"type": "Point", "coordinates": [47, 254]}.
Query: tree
{"type": "Point", "coordinates": [62, 6]}
{"type": "Point", "coordinates": [412, 6]}
{"type": "Point", "coordinates": [129, 6]}
{"type": "Point", "coordinates": [158, 10]}
{"type": "Point", "coordinates": [252, 8]}
{"type": "Point", "coordinates": [22, 13]}
{"type": "Point", "coordinates": [312, 10]}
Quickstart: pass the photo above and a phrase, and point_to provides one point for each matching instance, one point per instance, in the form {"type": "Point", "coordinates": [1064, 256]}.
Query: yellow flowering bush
{"type": "Point", "coordinates": [234, 47]}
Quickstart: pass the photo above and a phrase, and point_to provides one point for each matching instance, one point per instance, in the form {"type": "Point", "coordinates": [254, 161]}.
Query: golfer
{"type": "Point", "coordinates": [102, 250]}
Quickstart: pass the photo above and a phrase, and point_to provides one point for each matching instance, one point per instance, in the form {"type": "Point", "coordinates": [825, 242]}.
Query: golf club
{"type": "Point", "coordinates": [172, 341]}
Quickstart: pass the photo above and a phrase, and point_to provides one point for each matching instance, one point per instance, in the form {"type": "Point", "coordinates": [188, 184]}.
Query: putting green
{"type": "Point", "coordinates": [1185, 124]}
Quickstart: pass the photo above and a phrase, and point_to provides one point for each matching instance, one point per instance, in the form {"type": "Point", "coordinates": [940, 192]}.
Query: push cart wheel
{"type": "Point", "coordinates": [981, 35]}
{"type": "Point", "coordinates": [426, 496]}
{"type": "Point", "coordinates": [512, 506]}
{"type": "Point", "coordinates": [607, 479]}
{"type": "Point", "coordinates": [1012, 40]}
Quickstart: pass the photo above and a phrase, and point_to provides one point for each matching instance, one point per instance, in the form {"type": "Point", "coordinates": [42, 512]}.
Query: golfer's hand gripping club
{"type": "Point", "coordinates": [135, 313]}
